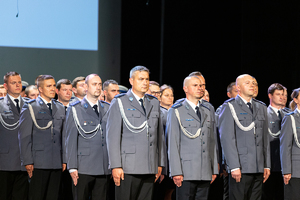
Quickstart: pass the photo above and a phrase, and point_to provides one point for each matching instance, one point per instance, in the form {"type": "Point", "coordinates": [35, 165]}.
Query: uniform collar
{"type": "Point", "coordinates": [13, 99]}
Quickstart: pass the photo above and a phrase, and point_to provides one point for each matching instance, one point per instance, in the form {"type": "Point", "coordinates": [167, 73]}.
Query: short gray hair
{"type": "Point", "coordinates": [138, 68]}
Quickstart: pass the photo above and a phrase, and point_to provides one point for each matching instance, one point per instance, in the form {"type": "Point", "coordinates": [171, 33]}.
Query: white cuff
{"type": "Point", "coordinates": [72, 170]}
{"type": "Point", "coordinates": [234, 169]}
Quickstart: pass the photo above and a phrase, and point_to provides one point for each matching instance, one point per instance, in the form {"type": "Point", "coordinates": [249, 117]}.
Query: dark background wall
{"type": "Point", "coordinates": [220, 39]}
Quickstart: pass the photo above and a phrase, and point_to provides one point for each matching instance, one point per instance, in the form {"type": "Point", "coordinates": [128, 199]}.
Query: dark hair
{"type": "Point", "coordinates": [294, 94]}
{"type": "Point", "coordinates": [164, 87]}
{"type": "Point", "coordinates": [76, 80]}
{"type": "Point", "coordinates": [62, 81]}
{"type": "Point", "coordinates": [41, 78]}
{"type": "Point", "coordinates": [106, 83]}
{"type": "Point", "coordinates": [229, 87]}
{"type": "Point", "coordinates": [8, 74]}
{"type": "Point", "coordinates": [138, 68]}
{"type": "Point", "coordinates": [273, 87]}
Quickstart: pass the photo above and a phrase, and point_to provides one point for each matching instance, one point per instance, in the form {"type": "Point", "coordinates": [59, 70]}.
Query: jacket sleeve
{"type": "Point", "coordinates": [266, 138]}
{"type": "Point", "coordinates": [228, 138]}
{"type": "Point", "coordinates": [286, 143]}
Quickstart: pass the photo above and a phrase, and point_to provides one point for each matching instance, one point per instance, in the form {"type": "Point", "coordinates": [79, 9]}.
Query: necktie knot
{"type": "Point", "coordinates": [250, 106]}
{"type": "Point", "coordinates": [142, 104]}
{"type": "Point", "coordinates": [17, 104]}
{"type": "Point", "coordinates": [95, 107]}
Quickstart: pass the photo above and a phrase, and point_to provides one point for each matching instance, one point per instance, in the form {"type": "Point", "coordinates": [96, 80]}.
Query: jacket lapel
{"type": "Point", "coordinates": [148, 105]}
{"type": "Point", "coordinates": [242, 105]}
{"type": "Point", "coordinates": [203, 115]}
{"type": "Point", "coordinates": [134, 103]}
{"type": "Point", "coordinates": [191, 111]}
{"type": "Point", "coordinates": [43, 106]}
{"type": "Point", "coordinates": [88, 109]}
{"type": "Point", "coordinates": [11, 105]}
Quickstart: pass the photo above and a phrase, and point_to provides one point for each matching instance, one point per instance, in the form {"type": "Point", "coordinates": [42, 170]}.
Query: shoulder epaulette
{"type": "Point", "coordinates": [177, 105]}
{"type": "Point", "coordinates": [25, 98]}
{"type": "Point", "coordinates": [30, 101]}
{"type": "Point", "coordinates": [289, 113]}
{"type": "Point", "coordinates": [204, 106]}
{"type": "Point", "coordinates": [149, 95]}
{"type": "Point", "coordinates": [105, 102]}
{"type": "Point", "coordinates": [206, 102]}
{"type": "Point", "coordinates": [74, 103]}
{"type": "Point", "coordinates": [1, 98]}
{"type": "Point", "coordinates": [228, 100]}
{"type": "Point", "coordinates": [260, 102]}
{"type": "Point", "coordinates": [287, 110]}
{"type": "Point", "coordinates": [120, 95]}
{"type": "Point", "coordinates": [179, 100]}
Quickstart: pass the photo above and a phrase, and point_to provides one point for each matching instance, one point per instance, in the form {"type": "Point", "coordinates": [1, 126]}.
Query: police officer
{"type": "Point", "coordinates": [87, 157]}
{"type": "Point", "coordinates": [273, 187]}
{"type": "Point", "coordinates": [135, 139]}
{"type": "Point", "coordinates": [40, 136]}
{"type": "Point", "coordinates": [78, 88]}
{"type": "Point", "coordinates": [243, 127]}
{"type": "Point", "coordinates": [191, 144]}
{"type": "Point", "coordinates": [13, 177]}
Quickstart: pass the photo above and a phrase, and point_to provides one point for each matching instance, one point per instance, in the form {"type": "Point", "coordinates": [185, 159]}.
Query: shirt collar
{"type": "Point", "coordinates": [13, 99]}
{"type": "Point", "coordinates": [275, 110]}
{"type": "Point", "coordinates": [192, 104]}
{"type": "Point", "coordinates": [44, 100]}
{"type": "Point", "coordinates": [137, 97]}
{"type": "Point", "coordinates": [92, 104]}
{"type": "Point", "coordinates": [245, 100]}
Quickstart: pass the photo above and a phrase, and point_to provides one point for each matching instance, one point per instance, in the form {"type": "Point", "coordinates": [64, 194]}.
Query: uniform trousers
{"type": "Point", "coordinates": [291, 190]}
{"type": "Point", "coordinates": [44, 184]}
{"type": "Point", "coordinates": [193, 190]}
{"type": "Point", "coordinates": [249, 188]}
{"type": "Point", "coordinates": [13, 185]}
{"type": "Point", "coordinates": [273, 187]}
{"type": "Point", "coordinates": [135, 187]}
{"type": "Point", "coordinates": [91, 187]}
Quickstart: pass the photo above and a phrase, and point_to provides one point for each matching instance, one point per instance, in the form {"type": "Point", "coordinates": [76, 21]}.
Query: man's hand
{"type": "Point", "coordinates": [213, 177]}
{"type": "Point", "coordinates": [266, 174]}
{"type": "Point", "coordinates": [161, 178]}
{"type": "Point", "coordinates": [29, 169]}
{"type": "Point", "coordinates": [74, 176]}
{"type": "Point", "coordinates": [286, 178]}
{"type": "Point", "coordinates": [117, 174]}
{"type": "Point", "coordinates": [237, 175]}
{"type": "Point", "coordinates": [158, 173]}
{"type": "Point", "coordinates": [178, 180]}
{"type": "Point", "coordinates": [64, 166]}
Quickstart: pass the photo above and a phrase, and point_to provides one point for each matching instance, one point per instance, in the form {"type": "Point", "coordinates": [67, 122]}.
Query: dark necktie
{"type": "Point", "coordinates": [66, 108]}
{"type": "Point", "coordinates": [198, 112]}
{"type": "Point", "coordinates": [50, 109]}
{"type": "Point", "coordinates": [96, 109]}
{"type": "Point", "coordinates": [250, 107]}
{"type": "Point", "coordinates": [142, 104]}
{"type": "Point", "coordinates": [279, 116]}
{"type": "Point", "coordinates": [18, 107]}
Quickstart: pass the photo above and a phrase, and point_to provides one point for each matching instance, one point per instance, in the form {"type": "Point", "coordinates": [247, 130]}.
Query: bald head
{"type": "Point", "coordinates": [245, 85]}
{"type": "Point", "coordinates": [188, 79]}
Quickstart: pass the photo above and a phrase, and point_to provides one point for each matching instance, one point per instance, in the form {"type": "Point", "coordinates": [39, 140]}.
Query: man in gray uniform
{"type": "Point", "coordinates": [14, 183]}
{"type": "Point", "coordinates": [135, 139]}
{"type": "Point", "coordinates": [273, 187]}
{"type": "Point", "coordinates": [191, 143]}
{"type": "Point", "coordinates": [87, 157]}
{"type": "Point", "coordinates": [243, 127]}
{"type": "Point", "coordinates": [40, 136]}
{"type": "Point", "coordinates": [78, 88]}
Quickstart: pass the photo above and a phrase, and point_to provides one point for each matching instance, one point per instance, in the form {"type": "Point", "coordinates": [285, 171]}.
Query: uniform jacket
{"type": "Point", "coordinates": [136, 153]}
{"type": "Point", "coordinates": [88, 156]}
{"type": "Point", "coordinates": [195, 159]}
{"type": "Point", "coordinates": [42, 148]}
{"type": "Point", "coordinates": [9, 144]}
{"type": "Point", "coordinates": [243, 149]}
{"type": "Point", "coordinates": [289, 151]}
{"type": "Point", "coordinates": [275, 126]}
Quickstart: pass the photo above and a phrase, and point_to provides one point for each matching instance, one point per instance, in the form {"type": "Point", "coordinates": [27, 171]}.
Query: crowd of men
{"type": "Point", "coordinates": [73, 140]}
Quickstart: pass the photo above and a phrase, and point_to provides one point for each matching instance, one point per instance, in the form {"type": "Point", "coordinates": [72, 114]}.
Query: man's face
{"type": "Point", "coordinates": [111, 91]}
{"type": "Point", "coordinates": [194, 88]}
{"type": "Point", "coordinates": [140, 82]}
{"type": "Point", "coordinates": [3, 92]}
{"type": "Point", "coordinates": [233, 93]}
{"type": "Point", "coordinates": [276, 99]}
{"type": "Point", "coordinates": [155, 91]}
{"type": "Point", "coordinates": [65, 93]}
{"type": "Point", "coordinates": [246, 86]}
{"type": "Point", "coordinates": [202, 81]}
{"type": "Point", "coordinates": [47, 89]}
{"type": "Point", "coordinates": [94, 86]}
{"type": "Point", "coordinates": [80, 89]}
{"type": "Point", "coordinates": [255, 88]}
{"type": "Point", "coordinates": [206, 96]}
{"type": "Point", "coordinates": [13, 86]}
{"type": "Point", "coordinates": [33, 94]}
